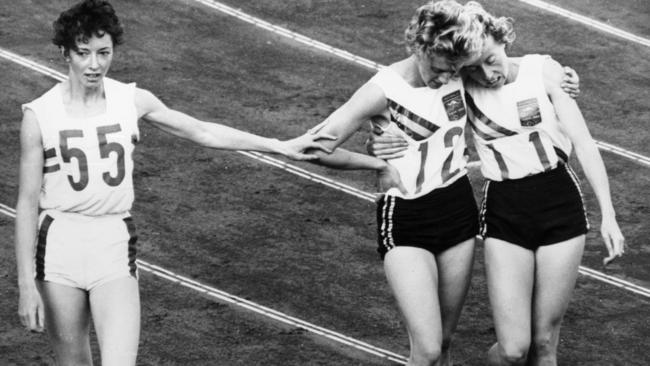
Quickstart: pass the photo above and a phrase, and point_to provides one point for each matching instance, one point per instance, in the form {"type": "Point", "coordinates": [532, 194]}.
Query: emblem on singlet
{"type": "Point", "coordinates": [454, 105]}
{"type": "Point", "coordinates": [529, 114]}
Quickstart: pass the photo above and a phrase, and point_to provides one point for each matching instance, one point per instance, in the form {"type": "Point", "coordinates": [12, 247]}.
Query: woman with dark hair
{"type": "Point", "coordinates": [76, 190]}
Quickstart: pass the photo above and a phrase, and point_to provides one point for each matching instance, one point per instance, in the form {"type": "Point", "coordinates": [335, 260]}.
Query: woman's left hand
{"type": "Point", "coordinates": [614, 240]}
{"type": "Point", "coordinates": [571, 82]}
{"type": "Point", "coordinates": [386, 146]}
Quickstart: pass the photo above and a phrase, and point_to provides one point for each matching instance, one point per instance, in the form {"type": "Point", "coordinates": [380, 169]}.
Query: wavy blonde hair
{"type": "Point", "coordinates": [444, 28]}
{"type": "Point", "coordinates": [500, 28]}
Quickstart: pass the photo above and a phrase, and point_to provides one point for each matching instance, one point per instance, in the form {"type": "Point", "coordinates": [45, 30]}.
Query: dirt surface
{"type": "Point", "coordinates": [294, 245]}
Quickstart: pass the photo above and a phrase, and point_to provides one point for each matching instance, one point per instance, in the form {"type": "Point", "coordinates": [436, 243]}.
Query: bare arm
{"type": "Point", "coordinates": [30, 308]}
{"type": "Point", "coordinates": [366, 102]}
{"type": "Point", "coordinates": [215, 135]}
{"type": "Point", "coordinates": [573, 123]}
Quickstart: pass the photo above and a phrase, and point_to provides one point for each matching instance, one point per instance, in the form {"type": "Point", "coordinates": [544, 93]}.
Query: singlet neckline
{"type": "Point", "coordinates": [93, 117]}
{"type": "Point", "coordinates": [517, 78]}
{"type": "Point", "coordinates": [403, 80]}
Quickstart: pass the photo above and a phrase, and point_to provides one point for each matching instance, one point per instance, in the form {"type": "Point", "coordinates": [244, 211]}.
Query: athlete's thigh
{"type": "Point", "coordinates": [454, 277]}
{"type": "Point", "coordinates": [510, 279]}
{"type": "Point", "coordinates": [555, 277]}
{"type": "Point", "coordinates": [412, 276]}
{"type": "Point", "coordinates": [67, 319]}
{"type": "Point", "coordinates": [116, 314]}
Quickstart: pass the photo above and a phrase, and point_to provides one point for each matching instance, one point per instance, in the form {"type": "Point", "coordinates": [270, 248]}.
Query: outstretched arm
{"type": "Point", "coordinates": [218, 136]}
{"type": "Point", "coordinates": [574, 125]}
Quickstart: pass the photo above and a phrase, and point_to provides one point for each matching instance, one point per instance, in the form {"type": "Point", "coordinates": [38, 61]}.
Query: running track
{"type": "Point", "coordinates": [223, 296]}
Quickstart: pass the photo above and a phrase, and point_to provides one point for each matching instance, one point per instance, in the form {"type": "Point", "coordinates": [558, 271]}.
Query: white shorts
{"type": "Point", "coordinates": [85, 251]}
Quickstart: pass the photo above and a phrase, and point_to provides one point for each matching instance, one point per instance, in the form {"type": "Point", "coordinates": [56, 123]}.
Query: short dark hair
{"type": "Point", "coordinates": [84, 20]}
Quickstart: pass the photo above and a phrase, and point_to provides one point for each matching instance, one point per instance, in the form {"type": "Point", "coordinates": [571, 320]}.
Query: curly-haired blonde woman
{"type": "Point", "coordinates": [428, 222]}
{"type": "Point", "coordinates": [532, 217]}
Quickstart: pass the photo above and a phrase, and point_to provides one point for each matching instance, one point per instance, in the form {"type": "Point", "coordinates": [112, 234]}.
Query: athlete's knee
{"type": "Point", "coordinates": [515, 353]}
{"type": "Point", "coordinates": [545, 336]}
{"type": "Point", "coordinates": [72, 353]}
{"type": "Point", "coordinates": [544, 345]}
{"type": "Point", "coordinates": [426, 355]}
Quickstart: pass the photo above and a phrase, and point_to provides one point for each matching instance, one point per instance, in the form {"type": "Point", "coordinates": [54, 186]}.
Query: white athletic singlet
{"type": "Point", "coordinates": [88, 162]}
{"type": "Point", "coordinates": [515, 128]}
{"type": "Point", "coordinates": [432, 121]}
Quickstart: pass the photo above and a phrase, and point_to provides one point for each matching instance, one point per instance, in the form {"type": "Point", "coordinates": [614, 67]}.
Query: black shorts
{"type": "Point", "coordinates": [435, 222]}
{"type": "Point", "coordinates": [541, 209]}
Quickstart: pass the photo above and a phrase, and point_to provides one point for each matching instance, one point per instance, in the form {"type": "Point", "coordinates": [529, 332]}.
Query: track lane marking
{"type": "Point", "coordinates": [588, 21]}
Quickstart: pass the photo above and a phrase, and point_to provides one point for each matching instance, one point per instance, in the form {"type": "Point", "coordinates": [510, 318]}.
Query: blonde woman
{"type": "Point", "coordinates": [533, 220]}
{"type": "Point", "coordinates": [428, 219]}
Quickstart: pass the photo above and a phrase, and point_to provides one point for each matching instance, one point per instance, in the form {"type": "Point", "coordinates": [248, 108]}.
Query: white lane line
{"type": "Point", "coordinates": [289, 34]}
{"type": "Point", "coordinates": [274, 314]}
{"type": "Point", "coordinates": [254, 307]}
{"type": "Point", "coordinates": [615, 281]}
{"type": "Point", "coordinates": [369, 63]}
{"type": "Point", "coordinates": [31, 64]}
{"type": "Point", "coordinates": [311, 176]}
{"type": "Point", "coordinates": [624, 153]}
{"type": "Point", "coordinates": [588, 21]}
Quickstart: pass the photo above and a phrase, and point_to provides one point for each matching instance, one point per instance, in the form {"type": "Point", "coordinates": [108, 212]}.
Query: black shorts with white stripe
{"type": "Point", "coordinates": [435, 222]}
{"type": "Point", "coordinates": [533, 211]}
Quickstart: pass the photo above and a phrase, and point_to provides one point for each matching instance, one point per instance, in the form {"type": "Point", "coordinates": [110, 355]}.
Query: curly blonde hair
{"type": "Point", "coordinates": [500, 28]}
{"type": "Point", "coordinates": [446, 29]}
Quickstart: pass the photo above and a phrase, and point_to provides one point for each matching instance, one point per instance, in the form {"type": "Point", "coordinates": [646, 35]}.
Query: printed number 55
{"type": "Point", "coordinates": [105, 149]}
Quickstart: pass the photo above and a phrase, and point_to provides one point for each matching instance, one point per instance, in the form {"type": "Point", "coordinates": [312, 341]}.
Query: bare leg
{"type": "Point", "coordinates": [555, 278]}
{"type": "Point", "coordinates": [430, 293]}
{"type": "Point", "coordinates": [116, 313]}
{"type": "Point", "coordinates": [510, 273]}
{"type": "Point", "coordinates": [454, 277]}
{"type": "Point", "coordinates": [67, 321]}
{"type": "Point", "coordinates": [412, 274]}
